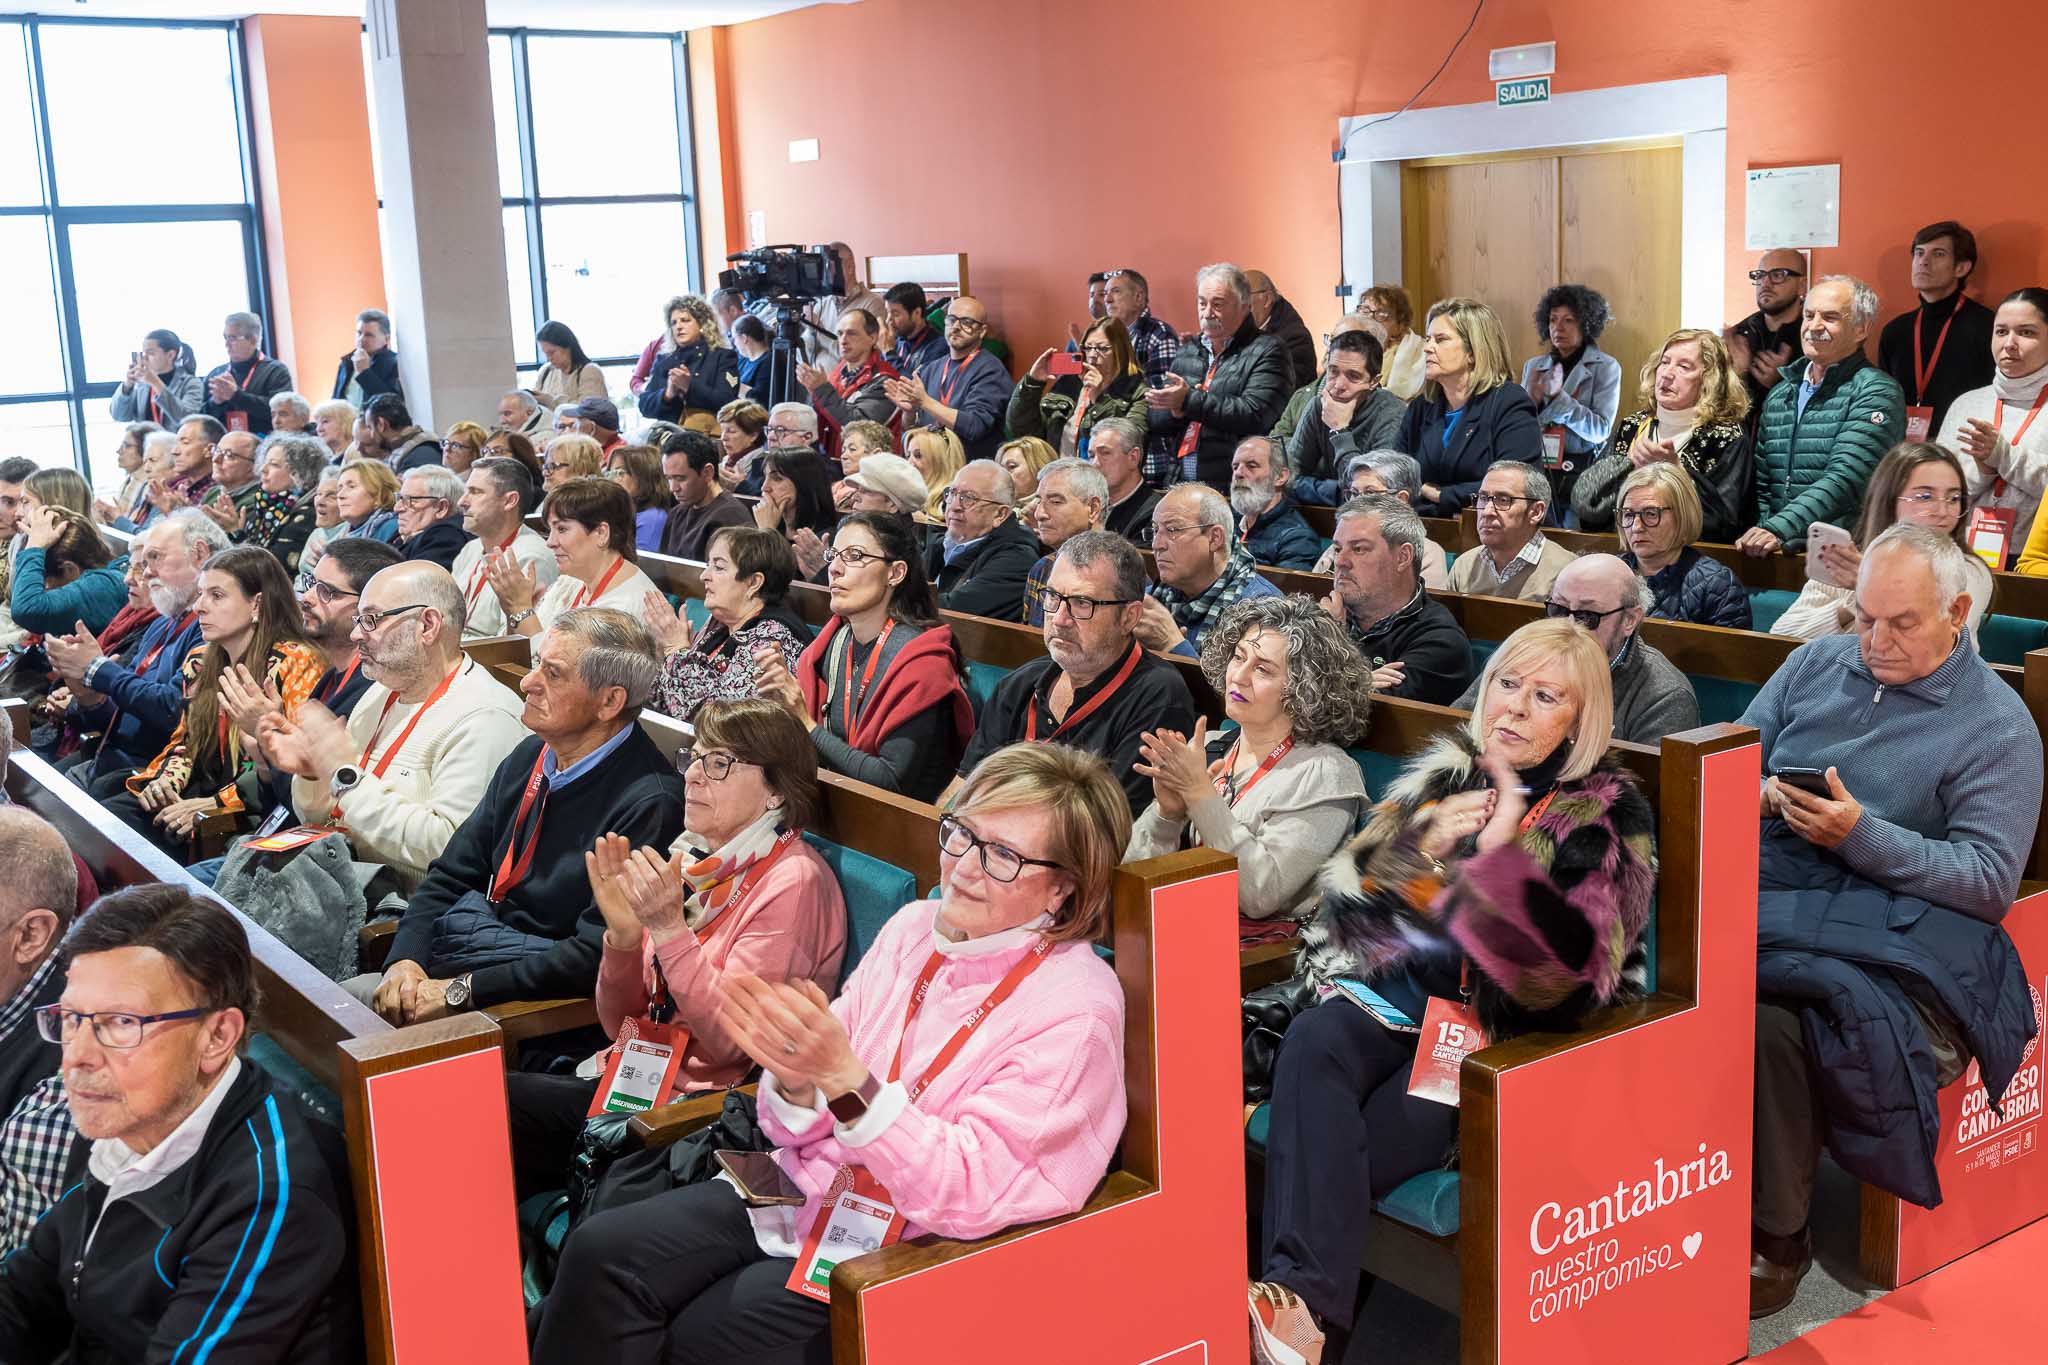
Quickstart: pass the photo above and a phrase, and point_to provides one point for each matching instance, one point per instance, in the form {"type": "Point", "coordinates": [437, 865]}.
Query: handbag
{"type": "Point", "coordinates": [1269, 1012]}
{"type": "Point", "coordinates": [611, 1168]}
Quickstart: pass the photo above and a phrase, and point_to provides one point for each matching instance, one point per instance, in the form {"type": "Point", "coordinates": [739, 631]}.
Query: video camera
{"type": "Point", "coordinates": [785, 272]}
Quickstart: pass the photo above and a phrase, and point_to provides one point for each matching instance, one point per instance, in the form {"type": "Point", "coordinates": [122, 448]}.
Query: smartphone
{"type": "Point", "coordinates": [1812, 781]}
{"type": "Point", "coordinates": [1819, 536]}
{"type": "Point", "coordinates": [135, 357]}
{"type": "Point", "coordinates": [1063, 362]}
{"type": "Point", "coordinates": [763, 1184]}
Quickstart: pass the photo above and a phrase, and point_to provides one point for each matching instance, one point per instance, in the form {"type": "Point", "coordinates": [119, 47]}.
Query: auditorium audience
{"type": "Point", "coordinates": [365, 494]}
{"type": "Point", "coordinates": [60, 734]}
{"type": "Point", "coordinates": [742, 434]}
{"type": "Point", "coordinates": [1692, 416]}
{"type": "Point", "coordinates": [1652, 698]}
{"type": "Point", "coordinates": [1401, 368]}
{"type": "Point", "coordinates": [851, 390]}
{"type": "Point", "coordinates": [1660, 520]}
{"type": "Point", "coordinates": [1992, 429]}
{"type": "Point", "coordinates": [1822, 432]}
{"type": "Point", "coordinates": [1064, 412]}
{"type": "Point", "coordinates": [1916, 483]}
{"type": "Point", "coordinates": [590, 530]}
{"type": "Point", "coordinates": [161, 385]}
{"type": "Point", "coordinates": [1513, 558]}
{"type": "Point", "coordinates": [520, 412]}
{"type": "Point", "coordinates": [1932, 771]}
{"type": "Point", "coordinates": [191, 464]}
{"type": "Point", "coordinates": [1470, 413]}
{"type": "Point", "coordinates": [238, 393]}
{"type": "Point", "coordinates": [193, 1164]}
{"type": "Point", "coordinates": [328, 607]}
{"type": "Point", "coordinates": [981, 561]}
{"type": "Point", "coordinates": [747, 573]}
{"type": "Point", "coordinates": [1098, 688]}
{"type": "Point", "coordinates": [1278, 793]}
{"type": "Point", "coordinates": [1575, 385]}
{"type": "Point", "coordinates": [689, 465]}
{"type": "Point", "coordinates": [234, 479]}
{"type": "Point", "coordinates": [290, 413]}
{"type": "Point", "coordinates": [334, 422]}
{"type": "Point", "coordinates": [570, 455]}
{"type": "Point", "coordinates": [917, 343]}
{"type": "Point", "coordinates": [64, 574]}
{"type": "Point", "coordinates": [371, 369]}
{"type": "Point", "coordinates": [964, 392]}
{"type": "Point", "coordinates": [1270, 526]}
{"type": "Point", "coordinates": [567, 374]}
{"type": "Point", "coordinates": [463, 446]}
{"type": "Point", "coordinates": [283, 514]}
{"type": "Point", "coordinates": [1019, 1128]}
{"type": "Point", "coordinates": [637, 469]}
{"type": "Point", "coordinates": [1389, 471]}
{"type": "Point", "coordinates": [430, 515]}
{"type": "Point", "coordinates": [1310, 392]}
{"type": "Point", "coordinates": [1413, 644]}
{"type": "Point", "coordinates": [41, 895]}
{"type": "Point", "coordinates": [1942, 349]}
{"type": "Point", "coordinates": [494, 501]}
{"type": "Point", "coordinates": [1230, 382]}
{"type": "Point", "coordinates": [1202, 568]}
{"type": "Point", "coordinates": [1127, 298]}
{"type": "Point", "coordinates": [1071, 497]}
{"type": "Point", "coordinates": [1351, 413]}
{"type": "Point", "coordinates": [1512, 864]}
{"type": "Point", "coordinates": [1280, 320]}
{"type": "Point", "coordinates": [796, 494]}
{"type": "Point", "coordinates": [505, 913]}
{"type": "Point", "coordinates": [1764, 343]}
{"type": "Point", "coordinates": [405, 444]}
{"type": "Point", "coordinates": [695, 372]}
{"type": "Point", "coordinates": [739, 892]}
{"type": "Point", "coordinates": [1117, 448]}
{"type": "Point", "coordinates": [829, 312]}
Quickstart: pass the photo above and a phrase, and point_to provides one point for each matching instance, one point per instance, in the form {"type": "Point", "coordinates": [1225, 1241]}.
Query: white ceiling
{"type": "Point", "coordinates": [661, 16]}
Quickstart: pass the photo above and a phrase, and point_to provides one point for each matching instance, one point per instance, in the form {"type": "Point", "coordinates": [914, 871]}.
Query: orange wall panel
{"type": "Point", "coordinates": [1048, 138]}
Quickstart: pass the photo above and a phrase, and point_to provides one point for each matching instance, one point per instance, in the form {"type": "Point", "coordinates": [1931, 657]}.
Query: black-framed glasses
{"type": "Point", "coordinates": [1776, 275]}
{"type": "Point", "coordinates": [1082, 607]}
{"type": "Point", "coordinates": [1000, 861]}
{"type": "Point", "coordinates": [971, 324]}
{"type": "Point", "coordinates": [1503, 501]}
{"type": "Point", "coordinates": [115, 1030]}
{"type": "Point", "coordinates": [1649, 517]}
{"type": "Point", "coordinates": [854, 556]}
{"type": "Point", "coordinates": [1585, 616]}
{"type": "Point", "coordinates": [327, 592]}
{"type": "Point", "coordinates": [368, 621]}
{"type": "Point", "coordinates": [1098, 348]}
{"type": "Point", "coordinates": [717, 764]}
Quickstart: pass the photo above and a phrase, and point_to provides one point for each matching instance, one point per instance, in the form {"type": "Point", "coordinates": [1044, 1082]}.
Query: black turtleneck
{"type": "Point", "coordinates": [1964, 364]}
{"type": "Point", "coordinates": [1543, 776]}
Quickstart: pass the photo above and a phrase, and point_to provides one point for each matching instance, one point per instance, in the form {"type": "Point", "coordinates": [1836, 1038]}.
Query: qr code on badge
{"type": "Point", "coordinates": [840, 1237]}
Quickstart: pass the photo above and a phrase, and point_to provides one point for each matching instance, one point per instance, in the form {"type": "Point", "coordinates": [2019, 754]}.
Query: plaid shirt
{"type": "Point", "coordinates": [1156, 344]}
{"type": "Point", "coordinates": [1194, 615]}
{"type": "Point", "coordinates": [36, 1138]}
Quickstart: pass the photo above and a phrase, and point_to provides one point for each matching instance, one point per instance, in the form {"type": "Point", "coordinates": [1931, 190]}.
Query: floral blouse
{"type": "Point", "coordinates": [720, 666]}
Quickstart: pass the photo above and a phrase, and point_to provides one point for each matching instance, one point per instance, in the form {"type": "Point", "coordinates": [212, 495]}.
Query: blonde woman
{"type": "Point", "coordinates": [937, 455]}
{"type": "Point", "coordinates": [695, 371]}
{"type": "Point", "coordinates": [1470, 412]}
{"type": "Point", "coordinates": [1693, 403]}
{"type": "Point", "coordinates": [572, 455]}
{"type": "Point", "coordinates": [1660, 520]}
{"type": "Point", "coordinates": [365, 495]}
{"type": "Point", "coordinates": [1021, 459]}
{"type": "Point", "coordinates": [463, 446]}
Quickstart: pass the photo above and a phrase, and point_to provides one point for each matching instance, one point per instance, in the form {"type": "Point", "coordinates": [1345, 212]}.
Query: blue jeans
{"type": "Point", "coordinates": [207, 872]}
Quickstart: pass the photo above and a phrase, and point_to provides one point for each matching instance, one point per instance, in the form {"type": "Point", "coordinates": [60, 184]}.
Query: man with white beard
{"type": "Point", "coordinates": [1268, 522]}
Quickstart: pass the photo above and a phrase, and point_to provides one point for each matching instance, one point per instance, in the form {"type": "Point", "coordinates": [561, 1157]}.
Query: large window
{"type": "Point", "coordinates": [123, 209]}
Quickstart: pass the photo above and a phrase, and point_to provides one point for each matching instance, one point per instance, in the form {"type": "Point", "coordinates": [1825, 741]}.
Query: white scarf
{"type": "Point", "coordinates": [712, 879]}
{"type": "Point", "coordinates": [2021, 391]}
{"type": "Point", "coordinates": [1676, 425]}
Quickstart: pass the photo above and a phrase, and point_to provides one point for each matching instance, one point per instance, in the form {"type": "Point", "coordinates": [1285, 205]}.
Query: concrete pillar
{"type": "Point", "coordinates": [444, 267]}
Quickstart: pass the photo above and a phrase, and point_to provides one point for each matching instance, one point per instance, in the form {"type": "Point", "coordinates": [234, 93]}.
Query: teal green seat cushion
{"type": "Point", "coordinates": [1428, 1201]}
{"type": "Point", "coordinates": [1722, 698]}
{"type": "Point", "coordinates": [2006, 639]}
{"type": "Point", "coordinates": [874, 890]}
{"type": "Point", "coordinates": [695, 612]}
{"type": "Point", "coordinates": [1766, 605]}
{"type": "Point", "coordinates": [982, 680]}
{"type": "Point", "coordinates": [263, 1052]}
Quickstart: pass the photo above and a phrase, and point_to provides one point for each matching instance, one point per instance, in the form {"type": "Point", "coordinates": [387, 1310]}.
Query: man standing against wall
{"type": "Point", "coordinates": [1942, 349]}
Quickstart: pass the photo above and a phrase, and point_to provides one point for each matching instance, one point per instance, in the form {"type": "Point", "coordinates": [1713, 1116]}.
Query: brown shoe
{"type": "Point", "coordinates": [1773, 1285]}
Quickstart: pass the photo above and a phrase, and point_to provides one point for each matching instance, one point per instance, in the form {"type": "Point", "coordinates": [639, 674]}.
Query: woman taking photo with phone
{"type": "Point", "coordinates": [162, 384]}
{"type": "Point", "coordinates": [1060, 404]}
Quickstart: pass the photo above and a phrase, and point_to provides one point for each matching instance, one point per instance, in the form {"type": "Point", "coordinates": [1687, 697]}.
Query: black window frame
{"type": "Point", "coordinates": [59, 219]}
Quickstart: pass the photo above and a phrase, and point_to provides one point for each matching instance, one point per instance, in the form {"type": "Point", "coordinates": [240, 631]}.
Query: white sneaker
{"type": "Point", "coordinates": [1284, 1332]}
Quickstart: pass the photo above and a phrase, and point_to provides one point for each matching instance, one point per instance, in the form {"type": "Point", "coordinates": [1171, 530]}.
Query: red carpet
{"type": "Point", "coordinates": [1985, 1307]}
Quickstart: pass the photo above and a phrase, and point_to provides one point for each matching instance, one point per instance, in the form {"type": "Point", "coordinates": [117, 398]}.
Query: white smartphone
{"type": "Point", "coordinates": [1819, 536]}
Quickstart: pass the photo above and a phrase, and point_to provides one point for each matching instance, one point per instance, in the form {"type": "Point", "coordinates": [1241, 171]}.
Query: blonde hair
{"type": "Point", "coordinates": [1586, 674]}
{"type": "Point", "coordinates": [1723, 395]}
{"type": "Point", "coordinates": [1091, 821]}
{"type": "Point", "coordinates": [1478, 326]}
{"type": "Point", "coordinates": [377, 480]}
{"type": "Point", "coordinates": [583, 455]}
{"type": "Point", "coordinates": [469, 433]}
{"type": "Point", "coordinates": [1036, 454]}
{"type": "Point", "coordinates": [944, 458]}
{"type": "Point", "coordinates": [1668, 479]}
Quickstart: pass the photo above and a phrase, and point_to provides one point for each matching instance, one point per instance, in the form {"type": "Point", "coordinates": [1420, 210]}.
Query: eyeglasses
{"type": "Point", "coordinates": [1927, 497]}
{"type": "Point", "coordinates": [327, 592]}
{"type": "Point", "coordinates": [717, 765]}
{"type": "Point", "coordinates": [1378, 314]}
{"type": "Point", "coordinates": [998, 860]}
{"type": "Point", "coordinates": [1082, 607]}
{"type": "Point", "coordinates": [123, 1031]}
{"type": "Point", "coordinates": [1158, 531]}
{"type": "Point", "coordinates": [1649, 517]}
{"type": "Point", "coordinates": [1585, 616]}
{"type": "Point", "coordinates": [409, 498]}
{"type": "Point", "coordinates": [368, 621]}
{"type": "Point", "coordinates": [969, 324]}
{"type": "Point", "coordinates": [787, 431]}
{"type": "Point", "coordinates": [854, 557]}
{"type": "Point", "coordinates": [1776, 276]}
{"type": "Point", "coordinates": [1503, 501]}
{"type": "Point", "coordinates": [964, 499]}
{"type": "Point", "coordinates": [1098, 348]}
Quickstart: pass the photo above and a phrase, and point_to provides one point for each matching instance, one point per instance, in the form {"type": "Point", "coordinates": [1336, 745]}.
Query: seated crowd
{"type": "Point", "coordinates": [256, 654]}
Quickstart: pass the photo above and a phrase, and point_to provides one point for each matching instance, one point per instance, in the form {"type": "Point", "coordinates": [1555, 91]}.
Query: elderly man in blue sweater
{"type": "Point", "coordinates": [1881, 966]}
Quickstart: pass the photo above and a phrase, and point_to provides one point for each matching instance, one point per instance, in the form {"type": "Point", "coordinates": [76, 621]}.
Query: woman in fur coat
{"type": "Point", "coordinates": [1510, 870]}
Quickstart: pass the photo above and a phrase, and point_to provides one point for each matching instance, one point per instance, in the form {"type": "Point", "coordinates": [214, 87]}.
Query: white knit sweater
{"type": "Point", "coordinates": [2023, 469]}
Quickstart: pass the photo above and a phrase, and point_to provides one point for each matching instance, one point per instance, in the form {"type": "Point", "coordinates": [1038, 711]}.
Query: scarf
{"type": "Point", "coordinates": [267, 515]}
{"type": "Point", "coordinates": [710, 880]}
{"type": "Point", "coordinates": [1675, 425]}
{"type": "Point", "coordinates": [2021, 391]}
{"type": "Point", "coordinates": [1194, 615]}
{"type": "Point", "coordinates": [128, 623]}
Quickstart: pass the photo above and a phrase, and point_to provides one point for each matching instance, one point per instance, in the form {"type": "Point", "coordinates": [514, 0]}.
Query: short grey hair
{"type": "Point", "coordinates": [1534, 484]}
{"type": "Point", "coordinates": [1003, 488]}
{"type": "Point", "coordinates": [40, 873]}
{"type": "Point", "coordinates": [305, 456]}
{"type": "Point", "coordinates": [1090, 548]}
{"type": "Point", "coordinates": [1400, 472]}
{"type": "Point", "coordinates": [292, 402]}
{"type": "Point", "coordinates": [167, 440]}
{"type": "Point", "coordinates": [1359, 322]}
{"type": "Point", "coordinates": [1084, 480]}
{"type": "Point", "coordinates": [442, 482]}
{"type": "Point", "coordinates": [248, 324]}
{"type": "Point", "coordinates": [1400, 524]}
{"type": "Point", "coordinates": [618, 652]}
{"type": "Point", "coordinates": [1863, 304]}
{"type": "Point", "coordinates": [806, 416]}
{"type": "Point", "coordinates": [526, 400]}
{"type": "Point", "coordinates": [378, 316]}
{"type": "Point", "coordinates": [1123, 428]}
{"type": "Point", "coordinates": [1240, 284]}
{"type": "Point", "coordinates": [331, 474]}
{"type": "Point", "coordinates": [1948, 560]}
{"type": "Point", "coordinates": [195, 528]}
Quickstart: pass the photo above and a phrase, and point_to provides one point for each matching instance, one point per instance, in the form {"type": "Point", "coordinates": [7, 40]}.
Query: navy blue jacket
{"type": "Point", "coordinates": [380, 378]}
{"type": "Point", "coordinates": [1846, 951]}
{"type": "Point", "coordinates": [150, 701]}
{"type": "Point", "coordinates": [1283, 539]}
{"type": "Point", "coordinates": [714, 381]}
{"type": "Point", "coordinates": [1499, 424]}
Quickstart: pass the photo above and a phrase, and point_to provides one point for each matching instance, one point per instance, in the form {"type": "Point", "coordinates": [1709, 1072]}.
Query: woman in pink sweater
{"type": "Point", "coordinates": [970, 1078]}
{"type": "Point", "coordinates": [741, 893]}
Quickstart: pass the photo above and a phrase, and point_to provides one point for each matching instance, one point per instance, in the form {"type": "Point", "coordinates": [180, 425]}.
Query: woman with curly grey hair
{"type": "Point", "coordinates": [1575, 385]}
{"type": "Point", "coordinates": [1279, 792]}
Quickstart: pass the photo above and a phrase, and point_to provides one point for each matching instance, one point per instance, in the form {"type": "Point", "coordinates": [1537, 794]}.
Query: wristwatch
{"type": "Point", "coordinates": [518, 618]}
{"type": "Point", "coordinates": [852, 1107]}
{"type": "Point", "coordinates": [344, 780]}
{"type": "Point", "coordinates": [456, 997]}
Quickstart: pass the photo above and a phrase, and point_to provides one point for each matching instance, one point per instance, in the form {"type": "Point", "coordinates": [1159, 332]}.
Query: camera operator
{"type": "Point", "coordinates": [821, 339]}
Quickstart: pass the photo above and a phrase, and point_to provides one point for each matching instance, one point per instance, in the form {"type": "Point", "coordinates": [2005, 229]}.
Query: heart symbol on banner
{"type": "Point", "coordinates": [1691, 1245]}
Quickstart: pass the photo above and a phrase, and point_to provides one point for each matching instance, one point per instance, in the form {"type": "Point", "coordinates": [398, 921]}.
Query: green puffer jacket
{"type": "Point", "coordinates": [1814, 467]}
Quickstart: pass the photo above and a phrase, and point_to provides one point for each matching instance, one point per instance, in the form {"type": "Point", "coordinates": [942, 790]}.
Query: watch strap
{"type": "Point", "coordinates": [852, 1107]}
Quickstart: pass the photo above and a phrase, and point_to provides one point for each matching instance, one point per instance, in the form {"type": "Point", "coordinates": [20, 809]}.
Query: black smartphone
{"type": "Point", "coordinates": [762, 1183]}
{"type": "Point", "coordinates": [1812, 781]}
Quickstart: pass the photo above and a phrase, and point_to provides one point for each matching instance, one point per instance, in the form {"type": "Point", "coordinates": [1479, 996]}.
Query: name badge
{"type": "Point", "coordinates": [1553, 447]}
{"type": "Point", "coordinates": [640, 1074]}
{"type": "Point", "coordinates": [1990, 534]}
{"type": "Point", "coordinates": [287, 840]}
{"type": "Point", "coordinates": [274, 821]}
{"type": "Point", "coordinates": [236, 420]}
{"type": "Point", "coordinates": [1450, 1032]}
{"type": "Point", "coordinates": [856, 1216]}
{"type": "Point", "coordinates": [1919, 421]}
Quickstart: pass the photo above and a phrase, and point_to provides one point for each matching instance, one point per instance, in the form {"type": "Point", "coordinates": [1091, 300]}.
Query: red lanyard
{"type": "Point", "coordinates": [1233, 794]}
{"type": "Point", "coordinates": [660, 1005]}
{"type": "Point", "coordinates": [1193, 435]}
{"type": "Point", "coordinates": [254, 361]}
{"type": "Point", "coordinates": [1922, 374]}
{"type": "Point", "coordinates": [184, 624]}
{"type": "Point", "coordinates": [1003, 991]}
{"type": "Point", "coordinates": [588, 594]}
{"type": "Point", "coordinates": [1998, 417]}
{"type": "Point", "coordinates": [1536, 811]}
{"type": "Point", "coordinates": [510, 872]}
{"type": "Point", "coordinates": [340, 684]}
{"type": "Point", "coordinates": [383, 765]}
{"type": "Point", "coordinates": [950, 376]}
{"type": "Point", "coordinates": [848, 696]}
{"type": "Point", "coordinates": [864, 375]}
{"type": "Point", "coordinates": [1074, 718]}
{"type": "Point", "coordinates": [481, 574]}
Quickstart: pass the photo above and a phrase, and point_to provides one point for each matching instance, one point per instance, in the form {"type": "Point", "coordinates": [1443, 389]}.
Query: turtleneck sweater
{"type": "Point", "coordinates": [1674, 425]}
{"type": "Point", "coordinates": [2018, 474]}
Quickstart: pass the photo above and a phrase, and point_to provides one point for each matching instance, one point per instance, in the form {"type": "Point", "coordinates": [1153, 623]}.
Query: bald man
{"type": "Point", "coordinates": [1768, 339]}
{"type": "Point", "coordinates": [38, 898]}
{"type": "Point", "coordinates": [967, 390]}
{"type": "Point", "coordinates": [1652, 698]}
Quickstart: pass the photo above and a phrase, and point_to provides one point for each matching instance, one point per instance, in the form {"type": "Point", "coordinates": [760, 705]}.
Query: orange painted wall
{"type": "Point", "coordinates": [311, 123]}
{"type": "Point", "coordinates": [1048, 138]}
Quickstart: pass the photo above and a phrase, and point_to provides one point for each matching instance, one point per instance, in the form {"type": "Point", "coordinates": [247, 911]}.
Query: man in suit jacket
{"type": "Point", "coordinates": [372, 367]}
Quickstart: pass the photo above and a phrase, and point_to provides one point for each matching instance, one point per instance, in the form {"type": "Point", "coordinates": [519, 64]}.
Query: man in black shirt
{"type": "Point", "coordinates": [1942, 349]}
{"type": "Point", "coordinates": [1769, 338]}
{"type": "Point", "coordinates": [1117, 445]}
{"type": "Point", "coordinates": [1414, 646]}
{"type": "Point", "coordinates": [1098, 689]}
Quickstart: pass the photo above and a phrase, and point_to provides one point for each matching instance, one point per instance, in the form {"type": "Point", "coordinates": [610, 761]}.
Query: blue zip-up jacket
{"type": "Point", "coordinates": [144, 704]}
{"type": "Point", "coordinates": [93, 597]}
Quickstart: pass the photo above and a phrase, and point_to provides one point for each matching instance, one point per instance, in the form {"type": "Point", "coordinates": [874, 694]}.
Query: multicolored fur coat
{"type": "Point", "coordinates": [1552, 924]}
